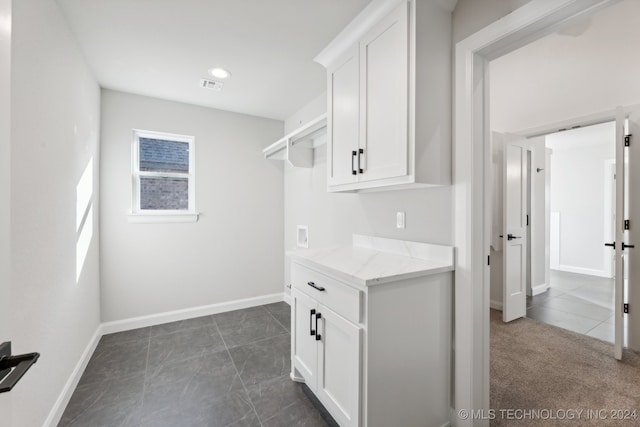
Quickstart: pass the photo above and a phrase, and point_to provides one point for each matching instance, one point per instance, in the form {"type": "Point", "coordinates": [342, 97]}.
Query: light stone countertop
{"type": "Point", "coordinates": [374, 260]}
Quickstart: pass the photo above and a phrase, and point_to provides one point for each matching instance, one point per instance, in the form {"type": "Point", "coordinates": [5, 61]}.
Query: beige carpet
{"type": "Point", "coordinates": [552, 370]}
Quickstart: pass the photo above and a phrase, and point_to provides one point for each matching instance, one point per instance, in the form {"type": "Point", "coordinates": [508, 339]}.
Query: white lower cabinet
{"type": "Point", "coordinates": [339, 351]}
{"type": "Point", "coordinates": [325, 350]}
{"type": "Point", "coordinates": [375, 356]}
{"type": "Point", "coordinates": [304, 348]}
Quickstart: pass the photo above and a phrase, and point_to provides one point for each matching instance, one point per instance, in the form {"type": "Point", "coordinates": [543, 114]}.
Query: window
{"type": "Point", "coordinates": [163, 177]}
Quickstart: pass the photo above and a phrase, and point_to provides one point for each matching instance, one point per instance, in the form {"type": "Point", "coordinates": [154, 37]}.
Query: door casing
{"type": "Point", "coordinates": [471, 184]}
{"type": "Point", "coordinates": [5, 189]}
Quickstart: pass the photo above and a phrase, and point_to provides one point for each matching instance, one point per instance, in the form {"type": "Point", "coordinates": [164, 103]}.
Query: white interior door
{"type": "Point", "coordinates": [627, 258]}
{"type": "Point", "coordinates": [5, 288]}
{"type": "Point", "coordinates": [514, 229]}
{"type": "Point", "coordinates": [619, 235]}
{"type": "Point", "coordinates": [633, 234]}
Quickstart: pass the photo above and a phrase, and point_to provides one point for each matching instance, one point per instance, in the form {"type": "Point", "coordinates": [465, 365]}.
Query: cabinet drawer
{"type": "Point", "coordinates": [337, 296]}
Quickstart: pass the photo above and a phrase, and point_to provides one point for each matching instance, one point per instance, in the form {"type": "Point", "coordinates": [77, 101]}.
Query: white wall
{"type": "Point", "coordinates": [333, 217]}
{"type": "Point", "coordinates": [471, 16]}
{"type": "Point", "coordinates": [578, 194]}
{"type": "Point", "coordinates": [5, 186]}
{"type": "Point", "coordinates": [575, 72]}
{"type": "Point", "coordinates": [307, 113]}
{"type": "Point", "coordinates": [55, 105]}
{"type": "Point", "coordinates": [233, 252]}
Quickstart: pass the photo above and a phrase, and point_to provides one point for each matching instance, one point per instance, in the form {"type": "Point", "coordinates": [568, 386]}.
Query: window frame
{"type": "Point", "coordinates": [161, 215]}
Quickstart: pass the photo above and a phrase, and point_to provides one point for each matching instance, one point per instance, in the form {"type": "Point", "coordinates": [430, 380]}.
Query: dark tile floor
{"type": "Point", "coordinates": [229, 369]}
{"type": "Point", "coordinates": [577, 302]}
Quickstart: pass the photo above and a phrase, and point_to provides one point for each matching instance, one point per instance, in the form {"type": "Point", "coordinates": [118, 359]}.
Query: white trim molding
{"type": "Point", "coordinates": [55, 415]}
{"type": "Point", "coordinates": [471, 184]}
{"type": "Point", "coordinates": [188, 313]}
{"type": "Point", "coordinates": [582, 270]}
{"type": "Point", "coordinates": [370, 15]}
{"type": "Point", "coordinates": [137, 174]}
{"type": "Point", "coordinates": [539, 289]}
{"type": "Point", "coordinates": [141, 218]}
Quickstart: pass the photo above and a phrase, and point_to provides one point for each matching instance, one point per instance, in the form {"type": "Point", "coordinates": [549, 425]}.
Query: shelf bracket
{"type": "Point", "coordinates": [299, 155]}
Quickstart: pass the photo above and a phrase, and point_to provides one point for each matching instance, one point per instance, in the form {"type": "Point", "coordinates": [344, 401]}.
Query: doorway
{"type": "Point", "coordinates": [530, 22]}
{"type": "Point", "coordinates": [568, 180]}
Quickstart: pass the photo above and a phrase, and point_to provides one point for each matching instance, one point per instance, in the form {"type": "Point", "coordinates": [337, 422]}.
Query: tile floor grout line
{"type": "Point", "coordinates": [285, 332]}
{"type": "Point", "coordinates": [244, 387]}
{"type": "Point", "coordinates": [572, 294]}
{"type": "Point", "coordinates": [144, 380]}
{"type": "Point", "coordinates": [601, 323]}
{"type": "Point", "coordinates": [570, 311]}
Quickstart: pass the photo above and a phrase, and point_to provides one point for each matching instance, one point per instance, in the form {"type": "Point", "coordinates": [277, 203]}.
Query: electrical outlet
{"type": "Point", "coordinates": [400, 220]}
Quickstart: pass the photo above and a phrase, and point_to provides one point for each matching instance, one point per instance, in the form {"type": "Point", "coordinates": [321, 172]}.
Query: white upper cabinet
{"type": "Point", "coordinates": [389, 100]}
{"type": "Point", "coordinates": [342, 121]}
{"type": "Point", "coordinates": [384, 84]}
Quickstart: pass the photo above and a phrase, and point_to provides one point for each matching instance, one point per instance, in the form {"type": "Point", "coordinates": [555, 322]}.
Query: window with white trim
{"type": "Point", "coordinates": [163, 174]}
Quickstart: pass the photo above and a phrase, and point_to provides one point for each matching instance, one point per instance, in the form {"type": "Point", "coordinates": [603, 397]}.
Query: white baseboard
{"type": "Point", "coordinates": [581, 270]}
{"type": "Point", "coordinates": [140, 322]}
{"type": "Point", "coordinates": [55, 415]}
{"type": "Point", "coordinates": [539, 289]}
{"type": "Point", "coordinates": [496, 305]}
{"type": "Point", "coordinates": [187, 313]}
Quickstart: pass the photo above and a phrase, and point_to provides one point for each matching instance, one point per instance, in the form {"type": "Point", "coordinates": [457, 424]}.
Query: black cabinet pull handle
{"type": "Point", "coordinates": [511, 237]}
{"type": "Point", "coordinates": [311, 331]}
{"type": "Point", "coordinates": [613, 244]}
{"type": "Point", "coordinates": [624, 246]}
{"type": "Point", "coordinates": [353, 160]}
{"type": "Point", "coordinates": [360, 153]}
{"type": "Point", "coordinates": [318, 316]}
{"type": "Point", "coordinates": [314, 286]}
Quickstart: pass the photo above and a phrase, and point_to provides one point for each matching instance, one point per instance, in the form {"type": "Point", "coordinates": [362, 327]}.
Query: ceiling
{"type": "Point", "coordinates": [161, 48]}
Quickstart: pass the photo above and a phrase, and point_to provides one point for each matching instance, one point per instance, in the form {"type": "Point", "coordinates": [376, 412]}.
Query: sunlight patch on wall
{"type": "Point", "coordinates": [84, 217]}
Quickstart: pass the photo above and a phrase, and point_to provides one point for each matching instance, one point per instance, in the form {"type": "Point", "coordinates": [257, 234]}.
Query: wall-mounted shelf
{"type": "Point", "coordinates": [297, 146]}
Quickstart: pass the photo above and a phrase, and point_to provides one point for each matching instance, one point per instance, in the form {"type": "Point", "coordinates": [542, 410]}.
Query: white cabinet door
{"type": "Point", "coordinates": [384, 108]}
{"type": "Point", "coordinates": [339, 367]}
{"type": "Point", "coordinates": [304, 348]}
{"type": "Point", "coordinates": [344, 111]}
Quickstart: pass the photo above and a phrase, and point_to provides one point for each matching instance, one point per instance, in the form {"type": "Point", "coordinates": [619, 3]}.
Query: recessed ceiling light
{"type": "Point", "coordinates": [219, 73]}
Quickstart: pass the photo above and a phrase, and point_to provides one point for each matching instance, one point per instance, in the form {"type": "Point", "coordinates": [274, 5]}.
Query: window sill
{"type": "Point", "coordinates": [156, 218]}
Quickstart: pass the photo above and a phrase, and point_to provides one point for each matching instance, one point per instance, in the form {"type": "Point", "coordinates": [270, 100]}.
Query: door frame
{"type": "Point", "coordinates": [5, 188]}
{"type": "Point", "coordinates": [471, 184]}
